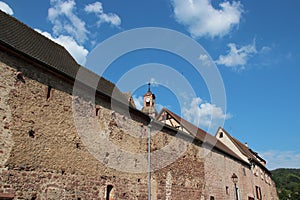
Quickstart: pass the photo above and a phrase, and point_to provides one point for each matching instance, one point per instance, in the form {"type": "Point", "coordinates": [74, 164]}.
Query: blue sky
{"type": "Point", "coordinates": [255, 46]}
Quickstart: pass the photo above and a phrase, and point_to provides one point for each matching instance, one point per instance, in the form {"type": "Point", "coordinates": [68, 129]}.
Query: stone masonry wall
{"type": "Point", "coordinates": [7, 79]}
{"type": "Point", "coordinates": [43, 155]}
{"type": "Point", "coordinates": [218, 171]}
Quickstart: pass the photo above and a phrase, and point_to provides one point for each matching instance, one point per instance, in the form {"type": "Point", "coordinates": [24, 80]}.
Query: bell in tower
{"type": "Point", "coordinates": [149, 103]}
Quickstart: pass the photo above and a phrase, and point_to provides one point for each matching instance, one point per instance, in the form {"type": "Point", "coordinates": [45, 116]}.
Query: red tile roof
{"type": "Point", "coordinates": [201, 135]}
{"type": "Point", "coordinates": [250, 154]}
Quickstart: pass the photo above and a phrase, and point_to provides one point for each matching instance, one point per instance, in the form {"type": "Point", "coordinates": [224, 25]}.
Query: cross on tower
{"type": "Point", "coordinates": [149, 86]}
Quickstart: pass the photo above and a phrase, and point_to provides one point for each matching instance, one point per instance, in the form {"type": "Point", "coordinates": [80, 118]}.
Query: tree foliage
{"type": "Point", "coordinates": [287, 183]}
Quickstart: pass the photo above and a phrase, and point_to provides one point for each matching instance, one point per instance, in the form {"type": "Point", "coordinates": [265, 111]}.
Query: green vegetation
{"type": "Point", "coordinates": [287, 183]}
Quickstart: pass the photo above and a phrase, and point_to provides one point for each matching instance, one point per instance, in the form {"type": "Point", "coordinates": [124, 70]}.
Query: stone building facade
{"type": "Point", "coordinates": [57, 142]}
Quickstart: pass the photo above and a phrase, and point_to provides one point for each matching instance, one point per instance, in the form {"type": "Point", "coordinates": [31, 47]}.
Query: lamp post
{"type": "Point", "coordinates": [235, 180]}
{"type": "Point", "coordinates": [149, 160]}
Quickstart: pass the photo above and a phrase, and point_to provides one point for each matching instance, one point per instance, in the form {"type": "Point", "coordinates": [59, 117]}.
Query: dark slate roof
{"type": "Point", "coordinates": [26, 41]}
{"type": "Point", "coordinates": [201, 135]}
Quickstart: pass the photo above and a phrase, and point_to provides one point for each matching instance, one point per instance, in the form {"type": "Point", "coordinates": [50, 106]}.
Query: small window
{"type": "Point", "coordinates": [221, 135]}
{"type": "Point", "coordinates": [262, 175]}
{"type": "Point", "coordinates": [266, 178]}
{"type": "Point", "coordinates": [255, 171]}
{"type": "Point", "coordinates": [109, 195]}
{"type": "Point", "coordinates": [31, 133]}
{"type": "Point", "coordinates": [244, 171]}
{"type": "Point", "coordinates": [212, 198]}
{"type": "Point", "coordinates": [258, 193]}
{"type": "Point", "coordinates": [227, 190]}
{"type": "Point", "coordinates": [97, 111]}
{"type": "Point", "coordinates": [49, 92]}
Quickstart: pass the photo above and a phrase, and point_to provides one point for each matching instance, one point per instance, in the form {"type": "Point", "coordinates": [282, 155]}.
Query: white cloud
{"type": "Point", "coordinates": [265, 49]}
{"type": "Point", "coordinates": [62, 15]}
{"type": "Point", "coordinates": [153, 82]}
{"type": "Point", "coordinates": [204, 114]}
{"type": "Point", "coordinates": [97, 9]}
{"type": "Point", "coordinates": [110, 18]}
{"type": "Point", "coordinates": [159, 107]}
{"type": "Point", "coordinates": [78, 52]}
{"type": "Point", "coordinates": [94, 8]}
{"type": "Point", "coordinates": [6, 8]}
{"type": "Point", "coordinates": [139, 102]}
{"type": "Point", "coordinates": [281, 159]}
{"type": "Point", "coordinates": [205, 60]}
{"type": "Point", "coordinates": [202, 19]}
{"type": "Point", "coordinates": [237, 56]}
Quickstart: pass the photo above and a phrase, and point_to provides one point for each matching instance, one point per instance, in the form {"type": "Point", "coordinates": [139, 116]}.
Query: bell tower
{"type": "Point", "coordinates": [149, 103]}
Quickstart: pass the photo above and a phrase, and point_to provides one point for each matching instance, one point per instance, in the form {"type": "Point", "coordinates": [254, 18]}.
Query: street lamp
{"type": "Point", "coordinates": [149, 160]}
{"type": "Point", "coordinates": [235, 180]}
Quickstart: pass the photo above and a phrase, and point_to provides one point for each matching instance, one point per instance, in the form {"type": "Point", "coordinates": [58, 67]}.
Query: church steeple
{"type": "Point", "coordinates": [149, 103]}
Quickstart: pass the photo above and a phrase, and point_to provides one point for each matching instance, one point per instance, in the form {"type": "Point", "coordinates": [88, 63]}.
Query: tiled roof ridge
{"type": "Point", "coordinates": [203, 136]}
{"type": "Point", "coordinates": [180, 119]}
{"type": "Point", "coordinates": [245, 150]}
{"type": "Point", "coordinates": [239, 144]}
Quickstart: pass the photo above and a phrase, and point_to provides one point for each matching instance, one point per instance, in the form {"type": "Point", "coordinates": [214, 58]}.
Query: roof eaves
{"type": "Point", "coordinates": [39, 49]}
{"type": "Point", "coordinates": [203, 136]}
{"type": "Point", "coordinates": [247, 153]}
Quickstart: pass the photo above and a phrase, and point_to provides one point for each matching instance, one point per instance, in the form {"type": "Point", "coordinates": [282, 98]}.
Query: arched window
{"type": "Point", "coordinates": [109, 192]}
